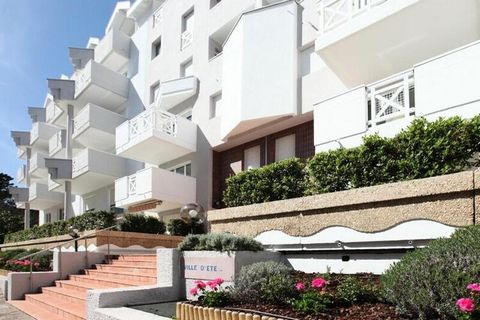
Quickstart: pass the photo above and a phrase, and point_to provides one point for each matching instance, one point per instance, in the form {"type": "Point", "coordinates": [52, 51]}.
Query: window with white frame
{"type": "Point", "coordinates": [215, 105]}
{"type": "Point", "coordinates": [251, 158]}
{"type": "Point", "coordinates": [183, 169]}
{"type": "Point", "coordinates": [285, 147]}
{"type": "Point", "coordinates": [154, 91]}
{"type": "Point", "coordinates": [61, 214]}
{"type": "Point", "coordinates": [48, 217]}
{"type": "Point", "coordinates": [156, 48]}
{"type": "Point", "coordinates": [186, 69]}
{"type": "Point", "coordinates": [188, 21]}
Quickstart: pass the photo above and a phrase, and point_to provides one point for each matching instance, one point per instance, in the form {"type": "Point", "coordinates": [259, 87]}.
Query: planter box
{"type": "Point", "coordinates": [208, 265]}
{"type": "Point", "coordinates": [187, 311]}
{"type": "Point", "coordinates": [4, 286]}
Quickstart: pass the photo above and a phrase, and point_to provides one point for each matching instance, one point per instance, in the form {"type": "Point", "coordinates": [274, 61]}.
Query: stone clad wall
{"type": "Point", "coordinates": [452, 200]}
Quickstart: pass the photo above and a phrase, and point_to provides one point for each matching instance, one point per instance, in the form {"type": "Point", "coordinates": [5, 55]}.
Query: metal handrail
{"type": "Point", "coordinates": [59, 246]}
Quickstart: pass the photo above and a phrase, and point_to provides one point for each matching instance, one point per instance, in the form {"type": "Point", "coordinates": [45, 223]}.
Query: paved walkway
{"type": "Point", "coordinates": [7, 312]}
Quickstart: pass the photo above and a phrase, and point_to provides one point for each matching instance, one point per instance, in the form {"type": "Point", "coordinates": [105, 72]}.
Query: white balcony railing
{"type": "Point", "coordinates": [152, 119]}
{"type": "Point", "coordinates": [157, 17]}
{"type": "Point", "coordinates": [336, 12]}
{"type": "Point", "coordinates": [187, 38]}
{"type": "Point", "coordinates": [35, 132]}
{"type": "Point", "coordinates": [21, 173]}
{"type": "Point", "coordinates": [80, 162]}
{"type": "Point", "coordinates": [81, 119]}
{"type": "Point", "coordinates": [390, 98]}
{"type": "Point", "coordinates": [56, 143]}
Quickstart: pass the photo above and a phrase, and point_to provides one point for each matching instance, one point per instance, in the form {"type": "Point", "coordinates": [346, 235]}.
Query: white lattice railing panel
{"type": "Point", "coordinates": [34, 133]}
{"type": "Point", "coordinates": [152, 119]}
{"type": "Point", "coordinates": [132, 185]}
{"type": "Point", "coordinates": [336, 12]}
{"type": "Point", "coordinates": [187, 38]}
{"type": "Point", "coordinates": [21, 173]}
{"type": "Point", "coordinates": [157, 17]}
{"type": "Point", "coordinates": [82, 78]}
{"type": "Point", "coordinates": [390, 98]}
{"type": "Point", "coordinates": [80, 162]}
{"type": "Point", "coordinates": [81, 120]}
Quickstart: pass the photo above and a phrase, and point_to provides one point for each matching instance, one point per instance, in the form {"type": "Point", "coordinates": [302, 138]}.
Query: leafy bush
{"type": "Point", "coordinates": [177, 227]}
{"type": "Point", "coordinates": [212, 294]}
{"type": "Point", "coordinates": [277, 181]}
{"type": "Point", "coordinates": [426, 283]}
{"type": "Point", "coordinates": [352, 290]}
{"type": "Point", "coordinates": [9, 260]}
{"type": "Point", "coordinates": [312, 302]}
{"type": "Point", "coordinates": [88, 221]}
{"type": "Point", "coordinates": [223, 242]}
{"type": "Point", "coordinates": [424, 149]}
{"type": "Point", "coordinates": [141, 223]}
{"type": "Point", "coordinates": [264, 281]}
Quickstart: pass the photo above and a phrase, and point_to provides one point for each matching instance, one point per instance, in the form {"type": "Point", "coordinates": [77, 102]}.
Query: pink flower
{"type": "Point", "coordinates": [212, 284]}
{"type": "Point", "coordinates": [300, 286]}
{"type": "Point", "coordinates": [466, 305]}
{"type": "Point", "coordinates": [219, 281]}
{"type": "Point", "coordinates": [200, 284]}
{"type": "Point", "coordinates": [319, 283]}
{"type": "Point", "coordinates": [194, 291]}
{"type": "Point", "coordinates": [474, 287]}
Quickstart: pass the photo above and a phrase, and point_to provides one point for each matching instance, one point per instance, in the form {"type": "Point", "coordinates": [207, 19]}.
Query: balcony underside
{"type": "Point", "coordinates": [248, 125]}
{"type": "Point", "coordinates": [174, 92]}
{"type": "Point", "coordinates": [394, 35]}
{"type": "Point", "coordinates": [95, 138]}
{"type": "Point", "coordinates": [43, 203]}
{"type": "Point", "coordinates": [155, 147]}
{"type": "Point", "coordinates": [90, 181]}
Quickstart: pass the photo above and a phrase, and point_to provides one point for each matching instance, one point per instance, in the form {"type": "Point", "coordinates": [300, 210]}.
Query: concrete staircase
{"type": "Point", "coordinates": [67, 299]}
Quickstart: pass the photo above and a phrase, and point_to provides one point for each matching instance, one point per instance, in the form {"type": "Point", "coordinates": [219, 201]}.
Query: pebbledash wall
{"type": "Point", "coordinates": [191, 92]}
{"type": "Point", "coordinates": [359, 230]}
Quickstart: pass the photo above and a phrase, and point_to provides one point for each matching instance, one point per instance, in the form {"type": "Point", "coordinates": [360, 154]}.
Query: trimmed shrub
{"type": "Point", "coordinates": [426, 283]}
{"type": "Point", "coordinates": [222, 242]}
{"type": "Point", "coordinates": [143, 224]}
{"type": "Point", "coordinates": [177, 227]}
{"type": "Point", "coordinates": [265, 282]}
{"type": "Point", "coordinates": [277, 181]}
{"type": "Point", "coordinates": [88, 221]}
{"type": "Point", "coordinates": [351, 290]}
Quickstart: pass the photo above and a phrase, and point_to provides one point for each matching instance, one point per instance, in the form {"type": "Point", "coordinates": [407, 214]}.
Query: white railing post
{"type": "Point", "coordinates": [373, 107]}
{"type": "Point", "coordinates": [406, 93]}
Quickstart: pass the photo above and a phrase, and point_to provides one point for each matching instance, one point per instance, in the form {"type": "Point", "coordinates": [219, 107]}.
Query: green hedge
{"type": "Point", "coordinates": [277, 181]}
{"type": "Point", "coordinates": [143, 224]}
{"type": "Point", "coordinates": [223, 242]}
{"type": "Point", "coordinates": [88, 221]}
{"type": "Point", "coordinates": [423, 149]}
{"type": "Point", "coordinates": [177, 227]}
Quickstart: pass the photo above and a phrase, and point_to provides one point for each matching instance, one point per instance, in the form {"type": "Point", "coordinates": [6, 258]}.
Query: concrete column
{"type": "Point", "coordinates": [26, 219]}
{"type": "Point", "coordinates": [69, 146]}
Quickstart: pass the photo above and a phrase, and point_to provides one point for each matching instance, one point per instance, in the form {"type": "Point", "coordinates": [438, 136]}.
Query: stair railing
{"type": "Point", "coordinates": [59, 246]}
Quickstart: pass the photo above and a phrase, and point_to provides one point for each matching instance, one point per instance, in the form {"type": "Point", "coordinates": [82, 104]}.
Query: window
{"type": "Point", "coordinates": [184, 169]}
{"type": "Point", "coordinates": [61, 214]}
{"type": "Point", "coordinates": [48, 217]}
{"type": "Point", "coordinates": [156, 48]}
{"type": "Point", "coordinates": [252, 157]}
{"type": "Point", "coordinates": [215, 105]}
{"type": "Point", "coordinates": [186, 69]}
{"type": "Point", "coordinates": [188, 21]}
{"type": "Point", "coordinates": [285, 147]}
{"type": "Point", "coordinates": [213, 3]}
{"type": "Point", "coordinates": [154, 91]}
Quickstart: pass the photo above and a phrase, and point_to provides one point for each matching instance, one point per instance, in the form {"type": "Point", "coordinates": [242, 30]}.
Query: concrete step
{"type": "Point", "coordinates": [108, 282]}
{"type": "Point", "coordinates": [80, 286]}
{"type": "Point", "coordinates": [34, 311]}
{"type": "Point", "coordinates": [69, 295]}
{"type": "Point", "coordinates": [120, 276]}
{"type": "Point", "coordinates": [137, 263]}
{"type": "Point", "coordinates": [66, 310]}
{"type": "Point", "coordinates": [137, 257]}
{"type": "Point", "coordinates": [134, 270]}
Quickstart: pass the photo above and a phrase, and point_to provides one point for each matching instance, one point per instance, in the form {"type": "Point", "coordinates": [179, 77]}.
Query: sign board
{"type": "Point", "coordinates": [209, 268]}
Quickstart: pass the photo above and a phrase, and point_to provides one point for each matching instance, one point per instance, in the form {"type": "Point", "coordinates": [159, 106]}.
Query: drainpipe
{"type": "Point", "coordinates": [68, 184]}
{"type": "Point", "coordinates": [26, 218]}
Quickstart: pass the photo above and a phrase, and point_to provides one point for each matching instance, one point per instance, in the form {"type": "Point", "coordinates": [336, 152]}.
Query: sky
{"type": "Point", "coordinates": [34, 40]}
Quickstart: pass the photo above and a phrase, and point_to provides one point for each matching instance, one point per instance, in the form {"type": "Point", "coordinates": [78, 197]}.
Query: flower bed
{"type": "Point", "coordinates": [9, 261]}
{"type": "Point", "coordinates": [279, 293]}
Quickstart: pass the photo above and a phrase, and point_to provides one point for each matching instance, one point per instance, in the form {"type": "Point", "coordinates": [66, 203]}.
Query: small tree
{"type": "Point", "coordinates": [11, 218]}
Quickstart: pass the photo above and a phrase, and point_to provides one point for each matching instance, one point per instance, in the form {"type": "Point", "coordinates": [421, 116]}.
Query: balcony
{"type": "Point", "coordinates": [57, 144]}
{"type": "Point", "coordinates": [22, 174]}
{"type": "Point", "coordinates": [99, 85]}
{"type": "Point", "coordinates": [365, 40]}
{"type": "Point", "coordinates": [154, 189]}
{"type": "Point", "coordinates": [41, 198]}
{"type": "Point", "coordinates": [40, 135]}
{"type": "Point", "coordinates": [37, 165]}
{"type": "Point", "coordinates": [93, 170]}
{"type": "Point", "coordinates": [22, 142]}
{"type": "Point", "coordinates": [186, 39]}
{"type": "Point", "coordinates": [176, 91]}
{"type": "Point", "coordinates": [19, 195]}
{"type": "Point", "coordinates": [94, 127]}
{"type": "Point", "coordinates": [156, 136]}
{"type": "Point", "coordinates": [113, 51]}
{"type": "Point", "coordinates": [54, 113]}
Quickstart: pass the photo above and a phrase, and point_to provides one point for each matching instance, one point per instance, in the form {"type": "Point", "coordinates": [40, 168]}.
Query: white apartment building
{"type": "Point", "coordinates": [180, 94]}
